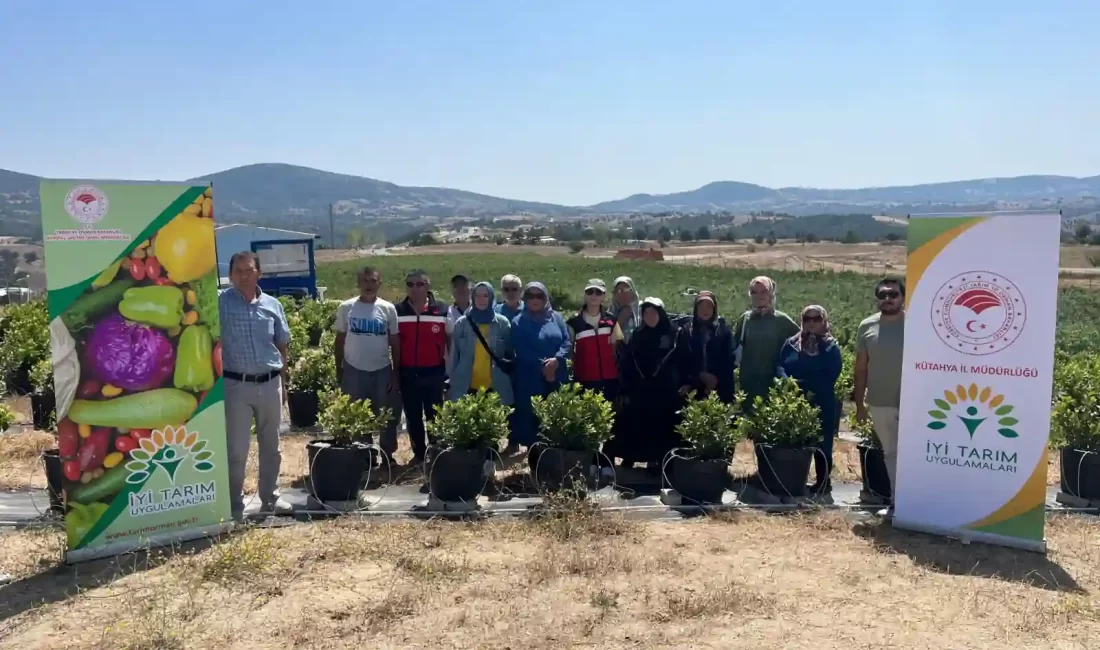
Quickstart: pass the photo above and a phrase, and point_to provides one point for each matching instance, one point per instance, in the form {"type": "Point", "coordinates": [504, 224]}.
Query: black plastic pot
{"type": "Point", "coordinates": [783, 470]}
{"type": "Point", "coordinates": [315, 337]}
{"type": "Point", "coordinates": [303, 407]}
{"type": "Point", "coordinates": [872, 466]}
{"type": "Point", "coordinates": [335, 472]}
{"type": "Point", "coordinates": [42, 406]}
{"type": "Point", "coordinates": [54, 477]}
{"type": "Point", "coordinates": [18, 381]}
{"type": "Point", "coordinates": [1081, 474]}
{"type": "Point", "coordinates": [698, 480]}
{"type": "Point", "coordinates": [457, 474]}
{"type": "Point", "coordinates": [554, 469]}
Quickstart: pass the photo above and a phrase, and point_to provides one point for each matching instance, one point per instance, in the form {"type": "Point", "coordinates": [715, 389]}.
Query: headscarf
{"type": "Point", "coordinates": [772, 287]}
{"type": "Point", "coordinates": [635, 308]}
{"type": "Point", "coordinates": [704, 328]}
{"type": "Point", "coordinates": [481, 316]}
{"type": "Point", "coordinates": [661, 333]}
{"type": "Point", "coordinates": [547, 310]}
{"type": "Point", "coordinates": [812, 344]}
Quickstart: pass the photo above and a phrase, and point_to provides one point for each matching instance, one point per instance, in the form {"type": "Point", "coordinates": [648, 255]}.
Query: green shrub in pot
{"type": "Point", "coordinates": [313, 372]}
{"type": "Point", "coordinates": [348, 420]}
{"type": "Point", "coordinates": [786, 419]}
{"type": "Point", "coordinates": [474, 421]}
{"type": "Point", "coordinates": [708, 427]}
{"type": "Point", "coordinates": [574, 419]}
{"type": "Point", "coordinates": [41, 376]}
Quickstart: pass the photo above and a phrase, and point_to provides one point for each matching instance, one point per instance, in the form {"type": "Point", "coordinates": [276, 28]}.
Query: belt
{"type": "Point", "coordinates": [251, 379]}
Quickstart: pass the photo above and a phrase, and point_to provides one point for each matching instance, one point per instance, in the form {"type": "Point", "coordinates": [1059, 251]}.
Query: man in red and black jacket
{"type": "Point", "coordinates": [596, 336]}
{"type": "Point", "coordinates": [422, 327]}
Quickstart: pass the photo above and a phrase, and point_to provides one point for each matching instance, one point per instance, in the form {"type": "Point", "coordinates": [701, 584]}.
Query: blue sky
{"type": "Point", "coordinates": [570, 102]}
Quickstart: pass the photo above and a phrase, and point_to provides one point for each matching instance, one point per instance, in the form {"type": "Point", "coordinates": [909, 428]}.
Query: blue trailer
{"type": "Point", "coordinates": [288, 267]}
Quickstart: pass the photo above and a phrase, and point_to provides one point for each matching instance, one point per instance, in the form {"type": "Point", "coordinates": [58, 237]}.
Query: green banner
{"type": "Point", "coordinates": [131, 274]}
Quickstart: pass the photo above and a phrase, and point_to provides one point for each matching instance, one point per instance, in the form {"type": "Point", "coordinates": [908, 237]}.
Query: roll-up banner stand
{"type": "Point", "coordinates": [132, 282]}
{"type": "Point", "coordinates": [981, 308]}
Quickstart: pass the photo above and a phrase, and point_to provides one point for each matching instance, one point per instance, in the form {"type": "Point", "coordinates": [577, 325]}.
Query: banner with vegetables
{"type": "Point", "coordinates": [132, 283]}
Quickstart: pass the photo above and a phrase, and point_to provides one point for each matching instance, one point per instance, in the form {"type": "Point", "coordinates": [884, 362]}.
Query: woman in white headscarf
{"type": "Point", "coordinates": [760, 334]}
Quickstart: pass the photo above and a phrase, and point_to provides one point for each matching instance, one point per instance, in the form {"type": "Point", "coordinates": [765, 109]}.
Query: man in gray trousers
{"type": "Point", "coordinates": [368, 351]}
{"type": "Point", "coordinates": [254, 348]}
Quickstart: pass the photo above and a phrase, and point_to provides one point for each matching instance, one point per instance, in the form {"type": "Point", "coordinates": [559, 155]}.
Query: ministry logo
{"type": "Point", "coordinates": [978, 313]}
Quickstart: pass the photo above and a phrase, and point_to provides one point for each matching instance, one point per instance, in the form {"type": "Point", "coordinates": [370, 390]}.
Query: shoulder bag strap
{"type": "Point", "coordinates": [484, 343]}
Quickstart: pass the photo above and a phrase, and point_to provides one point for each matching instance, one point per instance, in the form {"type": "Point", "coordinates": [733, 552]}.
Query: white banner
{"type": "Point", "coordinates": [982, 300]}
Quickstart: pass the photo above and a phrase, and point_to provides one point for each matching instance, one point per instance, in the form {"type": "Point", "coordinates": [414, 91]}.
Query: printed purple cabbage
{"type": "Point", "coordinates": [129, 355]}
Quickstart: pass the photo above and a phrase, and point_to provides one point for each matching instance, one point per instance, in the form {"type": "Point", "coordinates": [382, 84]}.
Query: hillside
{"type": "Point", "coordinates": [295, 197]}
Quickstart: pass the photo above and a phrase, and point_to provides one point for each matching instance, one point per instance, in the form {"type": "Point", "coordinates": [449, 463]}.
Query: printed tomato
{"type": "Point", "coordinates": [71, 469]}
{"type": "Point", "coordinates": [140, 434]}
{"type": "Point", "coordinates": [152, 268]}
{"type": "Point", "coordinates": [137, 269]}
{"type": "Point", "coordinates": [89, 388]}
{"type": "Point", "coordinates": [125, 444]}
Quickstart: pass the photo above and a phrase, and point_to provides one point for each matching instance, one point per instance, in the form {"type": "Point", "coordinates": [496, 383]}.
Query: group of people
{"type": "Point", "coordinates": [411, 356]}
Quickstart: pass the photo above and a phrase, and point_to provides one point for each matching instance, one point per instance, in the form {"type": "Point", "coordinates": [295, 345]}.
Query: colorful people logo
{"type": "Point", "coordinates": [973, 407]}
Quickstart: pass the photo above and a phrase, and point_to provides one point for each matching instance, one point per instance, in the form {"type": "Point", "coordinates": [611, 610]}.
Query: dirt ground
{"type": "Point", "coordinates": [575, 579]}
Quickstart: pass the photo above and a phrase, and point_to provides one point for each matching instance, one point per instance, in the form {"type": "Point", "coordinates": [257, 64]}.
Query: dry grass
{"type": "Point", "coordinates": [20, 464]}
{"type": "Point", "coordinates": [575, 578]}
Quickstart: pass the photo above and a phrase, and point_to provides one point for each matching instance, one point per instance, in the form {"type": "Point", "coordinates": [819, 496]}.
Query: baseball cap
{"type": "Point", "coordinates": [596, 283]}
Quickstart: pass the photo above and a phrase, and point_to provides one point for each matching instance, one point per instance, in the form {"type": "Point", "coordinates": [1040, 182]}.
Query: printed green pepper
{"type": "Point", "coordinates": [195, 360]}
{"type": "Point", "coordinates": [159, 306]}
{"type": "Point", "coordinates": [80, 520]}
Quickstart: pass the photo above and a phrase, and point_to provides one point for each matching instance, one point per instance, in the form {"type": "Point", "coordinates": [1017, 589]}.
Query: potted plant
{"type": "Point", "coordinates": [872, 461]}
{"type": "Point", "coordinates": [311, 375]}
{"type": "Point", "coordinates": [573, 423]}
{"type": "Point", "coordinates": [785, 430]}
{"type": "Point", "coordinates": [337, 462]}
{"type": "Point", "coordinates": [1075, 428]}
{"type": "Point", "coordinates": [465, 429]}
{"type": "Point", "coordinates": [25, 333]}
{"type": "Point", "coordinates": [701, 474]}
{"type": "Point", "coordinates": [42, 397]}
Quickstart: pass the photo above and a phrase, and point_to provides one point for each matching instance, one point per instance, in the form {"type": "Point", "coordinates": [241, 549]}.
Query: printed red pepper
{"type": "Point", "coordinates": [218, 359]}
{"type": "Point", "coordinates": [140, 434]}
{"type": "Point", "coordinates": [93, 452]}
{"type": "Point", "coordinates": [68, 438]}
{"type": "Point", "coordinates": [163, 282]}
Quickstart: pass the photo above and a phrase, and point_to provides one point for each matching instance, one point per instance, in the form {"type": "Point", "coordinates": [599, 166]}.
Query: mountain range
{"type": "Point", "coordinates": [284, 195]}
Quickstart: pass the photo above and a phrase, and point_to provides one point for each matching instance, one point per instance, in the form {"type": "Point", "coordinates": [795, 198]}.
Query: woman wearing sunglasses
{"type": "Point", "coordinates": [596, 338]}
{"type": "Point", "coordinates": [812, 358]}
{"type": "Point", "coordinates": [540, 338]}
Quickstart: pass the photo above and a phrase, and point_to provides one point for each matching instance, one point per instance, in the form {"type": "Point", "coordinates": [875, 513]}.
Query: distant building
{"type": "Point", "coordinates": [236, 237]}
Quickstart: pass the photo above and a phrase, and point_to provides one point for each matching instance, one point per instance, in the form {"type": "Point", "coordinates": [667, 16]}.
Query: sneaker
{"type": "Point", "coordinates": [279, 507]}
{"type": "Point", "coordinates": [886, 513]}
{"type": "Point", "coordinates": [511, 450]}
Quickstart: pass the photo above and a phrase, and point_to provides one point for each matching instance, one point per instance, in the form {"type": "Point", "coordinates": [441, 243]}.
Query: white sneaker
{"type": "Point", "coordinates": [280, 508]}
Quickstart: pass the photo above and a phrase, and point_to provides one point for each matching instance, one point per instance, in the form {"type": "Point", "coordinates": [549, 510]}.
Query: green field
{"type": "Point", "coordinates": [847, 296]}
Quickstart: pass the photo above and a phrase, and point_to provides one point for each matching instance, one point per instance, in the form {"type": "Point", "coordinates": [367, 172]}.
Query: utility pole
{"type": "Point", "coordinates": [331, 227]}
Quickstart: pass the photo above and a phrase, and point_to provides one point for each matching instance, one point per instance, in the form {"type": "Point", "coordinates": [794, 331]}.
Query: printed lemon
{"type": "Point", "coordinates": [185, 247]}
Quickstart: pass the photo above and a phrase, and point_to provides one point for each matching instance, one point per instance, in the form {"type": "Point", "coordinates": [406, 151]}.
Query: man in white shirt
{"type": "Point", "coordinates": [368, 352]}
{"type": "Point", "coordinates": [460, 289]}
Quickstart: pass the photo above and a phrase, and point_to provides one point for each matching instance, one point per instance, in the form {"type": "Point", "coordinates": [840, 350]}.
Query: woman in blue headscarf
{"type": "Point", "coordinates": [476, 359]}
{"type": "Point", "coordinates": [540, 338]}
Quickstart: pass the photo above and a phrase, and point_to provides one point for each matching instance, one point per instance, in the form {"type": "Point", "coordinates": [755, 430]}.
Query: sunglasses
{"type": "Point", "coordinates": [812, 319]}
{"type": "Point", "coordinates": [593, 292]}
{"type": "Point", "coordinates": [418, 284]}
{"type": "Point", "coordinates": [888, 295]}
